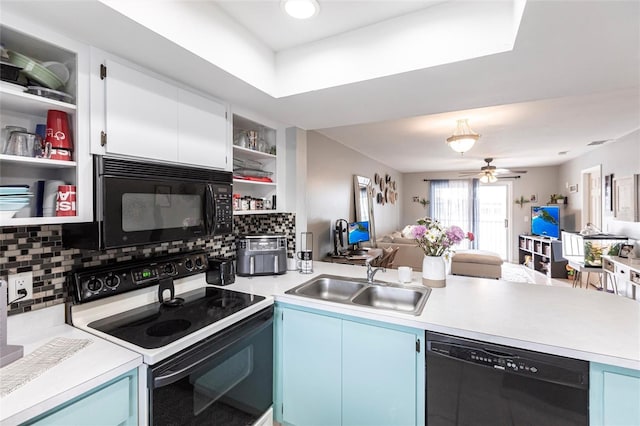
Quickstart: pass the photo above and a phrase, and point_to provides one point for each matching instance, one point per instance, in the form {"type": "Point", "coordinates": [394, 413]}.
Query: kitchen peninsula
{"type": "Point", "coordinates": [593, 326]}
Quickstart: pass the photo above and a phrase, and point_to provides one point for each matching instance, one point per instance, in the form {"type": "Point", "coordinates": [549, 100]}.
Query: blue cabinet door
{"type": "Point", "coordinates": [614, 395]}
{"type": "Point", "coordinates": [310, 365]}
{"type": "Point", "coordinates": [114, 403]}
{"type": "Point", "coordinates": [379, 375]}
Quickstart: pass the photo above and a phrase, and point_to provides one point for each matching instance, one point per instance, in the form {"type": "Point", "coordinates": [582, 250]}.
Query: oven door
{"type": "Point", "coordinates": [139, 211]}
{"type": "Point", "coordinates": [226, 379]}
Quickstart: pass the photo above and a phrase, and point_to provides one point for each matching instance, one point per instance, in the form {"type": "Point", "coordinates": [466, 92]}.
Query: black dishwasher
{"type": "Point", "coordinates": [477, 383]}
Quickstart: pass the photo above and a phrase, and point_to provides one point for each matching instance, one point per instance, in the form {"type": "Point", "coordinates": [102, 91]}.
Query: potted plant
{"type": "Point", "coordinates": [554, 198]}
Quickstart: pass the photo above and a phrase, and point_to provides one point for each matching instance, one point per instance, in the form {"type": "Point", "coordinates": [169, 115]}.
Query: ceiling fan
{"type": "Point", "coordinates": [491, 174]}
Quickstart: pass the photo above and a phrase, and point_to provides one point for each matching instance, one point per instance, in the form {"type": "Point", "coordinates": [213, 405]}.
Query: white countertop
{"type": "Point", "coordinates": [92, 366]}
{"type": "Point", "coordinates": [588, 325]}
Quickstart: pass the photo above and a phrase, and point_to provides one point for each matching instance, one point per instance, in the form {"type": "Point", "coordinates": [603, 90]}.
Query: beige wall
{"type": "Point", "coordinates": [541, 181]}
{"type": "Point", "coordinates": [331, 167]}
{"type": "Point", "coordinates": [621, 158]}
{"type": "Point", "coordinates": [330, 170]}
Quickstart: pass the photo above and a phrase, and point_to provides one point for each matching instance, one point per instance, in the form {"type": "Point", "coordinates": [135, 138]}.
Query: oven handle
{"type": "Point", "coordinates": [210, 209]}
{"type": "Point", "coordinates": [184, 367]}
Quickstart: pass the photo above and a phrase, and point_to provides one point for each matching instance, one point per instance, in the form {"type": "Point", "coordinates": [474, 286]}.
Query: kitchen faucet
{"type": "Point", "coordinates": [372, 272]}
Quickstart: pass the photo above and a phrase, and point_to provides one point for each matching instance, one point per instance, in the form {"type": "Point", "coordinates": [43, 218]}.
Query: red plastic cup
{"type": "Point", "coordinates": [58, 130]}
{"type": "Point", "coordinates": [66, 200]}
{"type": "Point", "coordinates": [59, 154]}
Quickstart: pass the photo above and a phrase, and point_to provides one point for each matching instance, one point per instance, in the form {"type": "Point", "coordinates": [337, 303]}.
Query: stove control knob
{"type": "Point", "coordinates": [112, 281]}
{"type": "Point", "coordinates": [198, 262]}
{"type": "Point", "coordinates": [169, 269]}
{"type": "Point", "coordinates": [188, 264]}
{"type": "Point", "coordinates": [94, 284]}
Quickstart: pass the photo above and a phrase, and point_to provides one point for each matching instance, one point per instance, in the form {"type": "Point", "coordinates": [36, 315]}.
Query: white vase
{"type": "Point", "coordinates": [434, 271]}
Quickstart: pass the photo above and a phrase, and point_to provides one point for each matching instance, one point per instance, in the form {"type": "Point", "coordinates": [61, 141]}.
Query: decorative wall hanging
{"type": "Point", "coordinates": [522, 201]}
{"type": "Point", "coordinates": [387, 188]}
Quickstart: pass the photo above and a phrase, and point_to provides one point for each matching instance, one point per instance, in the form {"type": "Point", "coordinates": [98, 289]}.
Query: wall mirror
{"type": "Point", "coordinates": [363, 198]}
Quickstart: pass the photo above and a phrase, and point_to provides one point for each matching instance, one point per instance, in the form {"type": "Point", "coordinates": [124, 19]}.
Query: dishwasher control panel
{"type": "Point", "coordinates": [507, 362]}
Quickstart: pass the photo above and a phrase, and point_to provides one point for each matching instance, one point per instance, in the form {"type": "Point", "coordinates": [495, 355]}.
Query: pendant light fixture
{"type": "Point", "coordinates": [300, 9]}
{"type": "Point", "coordinates": [463, 137]}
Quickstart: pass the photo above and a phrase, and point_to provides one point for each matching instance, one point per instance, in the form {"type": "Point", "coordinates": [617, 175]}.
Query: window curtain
{"type": "Point", "coordinates": [455, 202]}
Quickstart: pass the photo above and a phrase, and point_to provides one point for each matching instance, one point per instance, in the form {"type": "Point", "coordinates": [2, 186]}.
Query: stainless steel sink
{"type": "Point", "coordinates": [392, 298]}
{"type": "Point", "coordinates": [329, 288]}
{"type": "Point", "coordinates": [354, 291]}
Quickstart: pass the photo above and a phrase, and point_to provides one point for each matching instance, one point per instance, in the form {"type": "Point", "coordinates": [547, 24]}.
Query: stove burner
{"type": "Point", "coordinates": [173, 303]}
{"type": "Point", "coordinates": [169, 327]}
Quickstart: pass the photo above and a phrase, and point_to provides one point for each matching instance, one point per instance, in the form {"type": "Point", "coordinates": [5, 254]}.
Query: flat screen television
{"type": "Point", "coordinates": [357, 232]}
{"type": "Point", "coordinates": [545, 221]}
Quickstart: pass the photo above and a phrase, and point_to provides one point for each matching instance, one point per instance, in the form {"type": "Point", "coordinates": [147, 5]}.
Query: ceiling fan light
{"type": "Point", "coordinates": [488, 178]}
{"type": "Point", "coordinates": [463, 137]}
{"type": "Point", "coordinates": [300, 9]}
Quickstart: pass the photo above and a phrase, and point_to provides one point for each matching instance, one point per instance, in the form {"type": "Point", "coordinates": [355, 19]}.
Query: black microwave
{"type": "Point", "coordinates": [140, 203]}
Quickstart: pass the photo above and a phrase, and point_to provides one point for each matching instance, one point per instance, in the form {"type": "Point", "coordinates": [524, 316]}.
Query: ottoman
{"type": "Point", "coordinates": [477, 263]}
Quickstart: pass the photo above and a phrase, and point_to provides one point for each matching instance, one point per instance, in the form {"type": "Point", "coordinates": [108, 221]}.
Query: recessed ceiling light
{"type": "Point", "coordinates": [594, 143]}
{"type": "Point", "coordinates": [300, 9]}
{"type": "Point", "coordinates": [563, 152]}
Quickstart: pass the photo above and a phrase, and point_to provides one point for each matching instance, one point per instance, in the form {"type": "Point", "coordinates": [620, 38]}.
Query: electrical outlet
{"type": "Point", "coordinates": [21, 281]}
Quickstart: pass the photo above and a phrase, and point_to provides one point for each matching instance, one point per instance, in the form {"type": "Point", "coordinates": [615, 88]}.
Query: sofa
{"type": "Point", "coordinates": [471, 263]}
{"type": "Point", "coordinates": [408, 253]}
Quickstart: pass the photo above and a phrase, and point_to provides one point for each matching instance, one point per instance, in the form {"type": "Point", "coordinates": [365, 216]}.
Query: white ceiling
{"type": "Point", "coordinates": [572, 77]}
{"type": "Point", "coordinates": [265, 19]}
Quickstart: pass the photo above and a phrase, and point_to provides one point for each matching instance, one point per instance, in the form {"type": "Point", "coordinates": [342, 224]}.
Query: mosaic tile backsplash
{"type": "Point", "coordinates": [39, 249]}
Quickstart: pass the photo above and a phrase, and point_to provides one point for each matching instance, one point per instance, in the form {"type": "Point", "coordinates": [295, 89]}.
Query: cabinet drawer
{"type": "Point", "coordinates": [622, 273]}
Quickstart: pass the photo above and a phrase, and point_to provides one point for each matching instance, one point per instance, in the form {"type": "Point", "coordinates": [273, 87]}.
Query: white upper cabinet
{"type": "Point", "coordinates": [141, 114]}
{"type": "Point", "coordinates": [202, 130]}
{"type": "Point", "coordinates": [138, 113]}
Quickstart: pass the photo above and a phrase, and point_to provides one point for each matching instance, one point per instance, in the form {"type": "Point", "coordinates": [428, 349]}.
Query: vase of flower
{"type": "Point", "coordinates": [434, 271]}
{"type": "Point", "coordinates": [436, 241]}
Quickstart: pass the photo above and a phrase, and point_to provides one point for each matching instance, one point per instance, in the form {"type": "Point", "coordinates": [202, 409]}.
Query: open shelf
{"type": "Point", "coordinates": [537, 253]}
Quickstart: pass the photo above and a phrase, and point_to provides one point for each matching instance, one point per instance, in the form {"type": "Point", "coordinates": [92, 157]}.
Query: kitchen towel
{"type": "Point", "coordinates": [47, 356]}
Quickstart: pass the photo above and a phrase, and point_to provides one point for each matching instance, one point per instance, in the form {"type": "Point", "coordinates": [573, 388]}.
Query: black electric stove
{"type": "Point", "coordinates": [158, 324]}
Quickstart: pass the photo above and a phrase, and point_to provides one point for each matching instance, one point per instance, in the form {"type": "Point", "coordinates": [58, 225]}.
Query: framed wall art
{"type": "Point", "coordinates": [626, 198]}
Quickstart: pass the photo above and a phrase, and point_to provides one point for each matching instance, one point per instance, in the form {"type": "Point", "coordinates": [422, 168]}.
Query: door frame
{"type": "Point", "coordinates": [509, 215]}
{"type": "Point", "coordinates": [586, 197]}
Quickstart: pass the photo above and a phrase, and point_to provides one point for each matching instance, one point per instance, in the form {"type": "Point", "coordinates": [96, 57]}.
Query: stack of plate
{"type": "Point", "coordinates": [12, 199]}
{"type": "Point", "coordinates": [35, 71]}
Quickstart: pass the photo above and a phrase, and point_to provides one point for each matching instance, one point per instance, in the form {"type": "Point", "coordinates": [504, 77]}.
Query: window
{"type": "Point", "coordinates": [453, 202]}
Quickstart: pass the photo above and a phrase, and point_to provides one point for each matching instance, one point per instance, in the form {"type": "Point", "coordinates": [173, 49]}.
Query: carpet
{"type": "Point", "coordinates": [516, 273]}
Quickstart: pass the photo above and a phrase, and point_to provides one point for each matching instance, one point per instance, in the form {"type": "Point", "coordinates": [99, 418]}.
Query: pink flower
{"type": "Point", "coordinates": [455, 234]}
{"type": "Point", "coordinates": [470, 236]}
{"type": "Point", "coordinates": [418, 231]}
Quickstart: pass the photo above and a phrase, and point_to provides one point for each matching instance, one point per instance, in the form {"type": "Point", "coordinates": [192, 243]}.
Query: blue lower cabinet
{"type": "Point", "coordinates": [114, 403]}
{"type": "Point", "coordinates": [379, 375]}
{"type": "Point", "coordinates": [614, 396]}
{"type": "Point", "coordinates": [341, 370]}
{"type": "Point", "coordinates": [311, 368]}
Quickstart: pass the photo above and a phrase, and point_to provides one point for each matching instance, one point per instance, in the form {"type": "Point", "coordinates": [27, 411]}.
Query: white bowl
{"type": "Point", "coordinates": [59, 69]}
